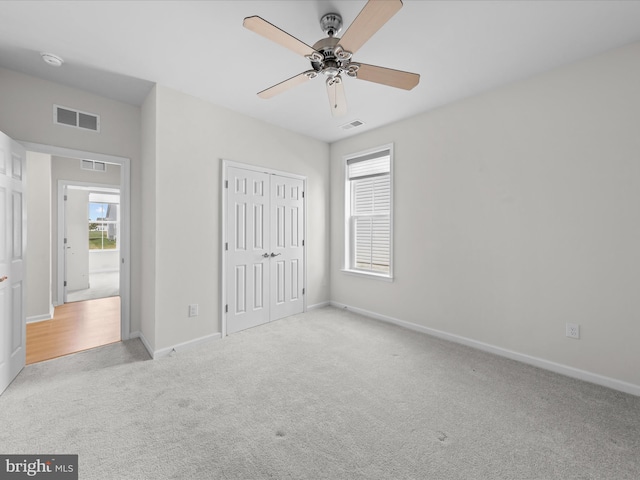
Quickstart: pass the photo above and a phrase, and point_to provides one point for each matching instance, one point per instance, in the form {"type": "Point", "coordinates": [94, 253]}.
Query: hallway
{"type": "Point", "coordinates": [75, 327]}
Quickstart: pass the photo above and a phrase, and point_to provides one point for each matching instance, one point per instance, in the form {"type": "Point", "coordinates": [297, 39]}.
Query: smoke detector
{"type": "Point", "coordinates": [51, 59]}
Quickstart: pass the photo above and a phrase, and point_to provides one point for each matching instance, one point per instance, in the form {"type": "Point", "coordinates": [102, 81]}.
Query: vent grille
{"type": "Point", "coordinates": [350, 125]}
{"type": "Point", "coordinates": [92, 165]}
{"type": "Point", "coordinates": [75, 118]}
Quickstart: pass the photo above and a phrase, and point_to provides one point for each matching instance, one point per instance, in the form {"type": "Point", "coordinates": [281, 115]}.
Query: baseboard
{"type": "Point", "coordinates": [39, 318]}
{"type": "Point", "coordinates": [521, 357]}
{"type": "Point", "coordinates": [318, 305]}
{"type": "Point", "coordinates": [43, 317]}
{"type": "Point", "coordinates": [144, 341]}
{"type": "Point", "coordinates": [180, 347]}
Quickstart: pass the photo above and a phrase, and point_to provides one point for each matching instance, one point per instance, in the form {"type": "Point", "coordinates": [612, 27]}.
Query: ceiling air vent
{"type": "Point", "coordinates": [350, 125]}
{"type": "Point", "coordinates": [76, 118]}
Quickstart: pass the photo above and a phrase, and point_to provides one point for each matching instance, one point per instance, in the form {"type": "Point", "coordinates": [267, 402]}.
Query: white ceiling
{"type": "Point", "coordinates": [460, 48]}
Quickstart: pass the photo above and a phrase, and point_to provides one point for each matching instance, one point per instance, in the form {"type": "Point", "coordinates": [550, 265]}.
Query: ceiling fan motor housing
{"type": "Point", "coordinates": [335, 61]}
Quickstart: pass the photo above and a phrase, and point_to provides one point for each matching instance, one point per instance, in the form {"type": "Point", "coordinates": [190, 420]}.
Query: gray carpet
{"type": "Point", "coordinates": [101, 285]}
{"type": "Point", "coordinates": [323, 395]}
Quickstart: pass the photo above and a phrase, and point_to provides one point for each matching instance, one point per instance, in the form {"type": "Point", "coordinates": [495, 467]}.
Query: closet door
{"type": "Point", "coordinates": [287, 246]}
{"type": "Point", "coordinates": [264, 274]}
{"type": "Point", "coordinates": [248, 254]}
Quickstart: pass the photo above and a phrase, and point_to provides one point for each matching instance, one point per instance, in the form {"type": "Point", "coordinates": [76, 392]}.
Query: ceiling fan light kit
{"type": "Point", "coordinates": [331, 56]}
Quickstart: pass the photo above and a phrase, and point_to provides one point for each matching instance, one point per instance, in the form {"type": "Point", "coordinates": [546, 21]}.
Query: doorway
{"type": "Point", "coordinates": [91, 245]}
{"type": "Point", "coordinates": [87, 313]}
{"type": "Point", "coordinates": [105, 225]}
{"type": "Point", "coordinates": [264, 256]}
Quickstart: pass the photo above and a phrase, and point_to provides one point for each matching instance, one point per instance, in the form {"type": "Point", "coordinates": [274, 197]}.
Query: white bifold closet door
{"type": "Point", "coordinates": [265, 248]}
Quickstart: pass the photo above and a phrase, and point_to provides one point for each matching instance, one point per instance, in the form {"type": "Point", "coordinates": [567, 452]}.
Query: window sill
{"type": "Point", "coordinates": [360, 273]}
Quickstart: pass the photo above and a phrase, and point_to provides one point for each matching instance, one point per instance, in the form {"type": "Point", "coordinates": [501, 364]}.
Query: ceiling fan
{"type": "Point", "coordinates": [332, 56]}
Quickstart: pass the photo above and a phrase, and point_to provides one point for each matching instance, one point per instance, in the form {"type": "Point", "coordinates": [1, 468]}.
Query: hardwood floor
{"type": "Point", "coordinates": [75, 327]}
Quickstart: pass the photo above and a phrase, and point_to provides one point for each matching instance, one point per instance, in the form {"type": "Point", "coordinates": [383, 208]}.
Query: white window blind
{"type": "Point", "coordinates": [369, 183]}
{"type": "Point", "coordinates": [366, 167]}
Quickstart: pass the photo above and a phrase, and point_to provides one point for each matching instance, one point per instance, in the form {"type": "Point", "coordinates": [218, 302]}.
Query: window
{"type": "Point", "coordinates": [103, 226]}
{"type": "Point", "coordinates": [368, 223]}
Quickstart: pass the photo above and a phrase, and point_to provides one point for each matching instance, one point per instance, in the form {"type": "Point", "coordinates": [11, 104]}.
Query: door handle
{"type": "Point", "coordinates": [265, 255]}
{"type": "Point", "coordinates": [275, 254]}
{"type": "Point", "coordinates": [2, 279]}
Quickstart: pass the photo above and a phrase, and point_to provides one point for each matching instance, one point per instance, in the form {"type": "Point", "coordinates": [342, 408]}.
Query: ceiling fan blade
{"type": "Point", "coordinates": [287, 84]}
{"type": "Point", "coordinates": [337, 98]}
{"type": "Point", "coordinates": [387, 76]}
{"type": "Point", "coordinates": [370, 19]}
{"type": "Point", "coordinates": [262, 27]}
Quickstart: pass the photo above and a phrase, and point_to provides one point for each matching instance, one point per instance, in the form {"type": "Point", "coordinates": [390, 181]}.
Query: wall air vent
{"type": "Point", "coordinates": [92, 165]}
{"type": "Point", "coordinates": [350, 125]}
{"type": "Point", "coordinates": [75, 118]}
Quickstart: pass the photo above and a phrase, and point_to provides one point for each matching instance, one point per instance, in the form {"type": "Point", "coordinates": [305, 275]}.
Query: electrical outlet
{"type": "Point", "coordinates": [193, 310]}
{"type": "Point", "coordinates": [573, 330]}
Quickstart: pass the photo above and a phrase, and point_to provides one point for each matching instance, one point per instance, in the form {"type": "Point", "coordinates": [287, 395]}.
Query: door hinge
{"type": "Point", "coordinates": [226, 308]}
{"type": "Point", "coordinates": [226, 245]}
{"type": "Point", "coordinates": [303, 290]}
{"type": "Point", "coordinates": [65, 241]}
{"type": "Point", "coordinates": [302, 194]}
{"type": "Point", "coordinates": [65, 198]}
{"type": "Point", "coordinates": [303, 243]}
{"type": "Point", "coordinates": [65, 283]}
{"type": "Point", "coordinates": [226, 184]}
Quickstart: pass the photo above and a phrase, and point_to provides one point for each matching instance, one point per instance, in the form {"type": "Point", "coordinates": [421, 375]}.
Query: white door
{"type": "Point", "coordinates": [287, 250]}
{"type": "Point", "coordinates": [265, 248]}
{"type": "Point", "coordinates": [76, 247]}
{"type": "Point", "coordinates": [12, 251]}
{"type": "Point", "coordinates": [247, 249]}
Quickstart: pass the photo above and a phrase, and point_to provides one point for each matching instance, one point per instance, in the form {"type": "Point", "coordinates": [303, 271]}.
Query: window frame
{"type": "Point", "coordinates": [349, 220]}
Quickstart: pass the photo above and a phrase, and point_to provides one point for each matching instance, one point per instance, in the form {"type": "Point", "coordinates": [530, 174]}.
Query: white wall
{"type": "Point", "coordinates": [102, 261]}
{"type": "Point", "coordinates": [38, 275]}
{"type": "Point", "coordinates": [516, 211]}
{"type": "Point", "coordinates": [27, 114]}
{"type": "Point", "coordinates": [148, 220]}
{"type": "Point", "coordinates": [192, 136]}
